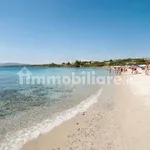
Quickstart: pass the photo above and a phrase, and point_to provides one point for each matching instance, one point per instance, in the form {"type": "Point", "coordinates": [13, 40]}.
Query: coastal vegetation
{"type": "Point", "coordinates": [82, 64]}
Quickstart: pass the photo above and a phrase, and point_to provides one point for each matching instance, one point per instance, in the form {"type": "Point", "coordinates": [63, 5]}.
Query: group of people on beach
{"type": "Point", "coordinates": [117, 69]}
{"type": "Point", "coordinates": [138, 69]}
{"type": "Point", "coordinates": [135, 69]}
{"type": "Point", "coordinates": [120, 69]}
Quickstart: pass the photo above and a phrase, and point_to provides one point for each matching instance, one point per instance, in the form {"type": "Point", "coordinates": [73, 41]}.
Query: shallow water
{"type": "Point", "coordinates": [24, 108]}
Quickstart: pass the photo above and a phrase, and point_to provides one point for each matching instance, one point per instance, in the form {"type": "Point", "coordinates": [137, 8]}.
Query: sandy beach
{"type": "Point", "coordinates": [120, 120]}
{"type": "Point", "coordinates": [74, 75]}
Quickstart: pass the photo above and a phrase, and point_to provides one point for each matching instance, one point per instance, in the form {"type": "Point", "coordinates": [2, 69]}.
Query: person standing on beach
{"type": "Point", "coordinates": [134, 69]}
{"type": "Point", "coordinates": [147, 69]}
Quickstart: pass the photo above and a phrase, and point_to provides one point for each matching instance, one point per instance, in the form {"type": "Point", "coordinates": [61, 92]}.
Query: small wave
{"type": "Point", "coordinates": [15, 141]}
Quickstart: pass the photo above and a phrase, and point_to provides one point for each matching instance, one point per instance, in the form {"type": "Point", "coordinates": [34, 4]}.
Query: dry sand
{"type": "Point", "coordinates": [119, 121]}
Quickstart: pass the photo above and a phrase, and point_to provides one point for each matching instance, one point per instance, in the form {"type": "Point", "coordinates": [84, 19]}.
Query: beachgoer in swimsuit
{"type": "Point", "coordinates": [146, 69]}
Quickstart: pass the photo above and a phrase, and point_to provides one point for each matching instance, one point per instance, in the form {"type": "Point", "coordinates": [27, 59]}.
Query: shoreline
{"type": "Point", "coordinates": [118, 121]}
{"type": "Point", "coordinates": [15, 142]}
{"type": "Point", "coordinates": [64, 130]}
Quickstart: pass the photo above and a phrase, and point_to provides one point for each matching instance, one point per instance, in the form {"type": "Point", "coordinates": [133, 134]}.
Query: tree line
{"type": "Point", "coordinates": [116, 62]}
{"type": "Point", "coordinates": [82, 64]}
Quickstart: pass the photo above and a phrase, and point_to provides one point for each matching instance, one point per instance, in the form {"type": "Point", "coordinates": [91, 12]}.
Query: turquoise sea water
{"type": "Point", "coordinates": [27, 110]}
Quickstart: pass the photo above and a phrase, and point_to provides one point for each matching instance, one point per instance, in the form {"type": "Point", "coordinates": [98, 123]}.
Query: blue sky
{"type": "Point", "coordinates": [45, 31]}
